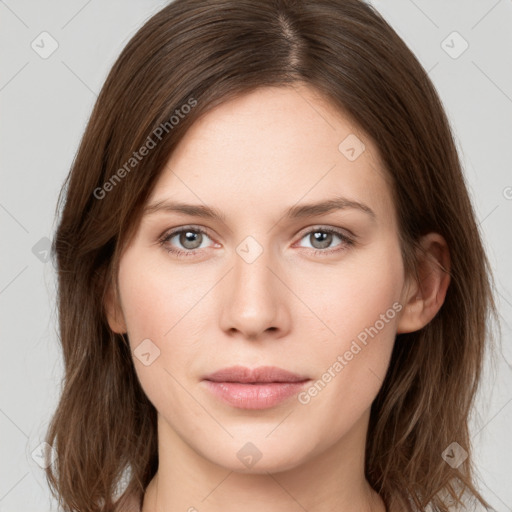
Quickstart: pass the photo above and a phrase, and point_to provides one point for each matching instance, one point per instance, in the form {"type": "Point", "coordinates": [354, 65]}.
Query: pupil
{"type": "Point", "coordinates": [323, 238]}
{"type": "Point", "coordinates": [188, 241]}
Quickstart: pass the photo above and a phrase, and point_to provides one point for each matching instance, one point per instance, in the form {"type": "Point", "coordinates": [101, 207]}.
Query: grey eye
{"type": "Point", "coordinates": [322, 239]}
{"type": "Point", "coordinates": [190, 239]}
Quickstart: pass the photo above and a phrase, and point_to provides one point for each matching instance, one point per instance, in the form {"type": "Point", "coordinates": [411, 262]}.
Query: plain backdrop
{"type": "Point", "coordinates": [55, 56]}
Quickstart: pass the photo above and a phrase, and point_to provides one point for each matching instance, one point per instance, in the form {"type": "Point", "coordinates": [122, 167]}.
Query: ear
{"type": "Point", "coordinates": [113, 311]}
{"type": "Point", "coordinates": [424, 294]}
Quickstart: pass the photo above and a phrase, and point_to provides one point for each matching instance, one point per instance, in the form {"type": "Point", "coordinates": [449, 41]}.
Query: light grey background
{"type": "Point", "coordinates": [45, 103]}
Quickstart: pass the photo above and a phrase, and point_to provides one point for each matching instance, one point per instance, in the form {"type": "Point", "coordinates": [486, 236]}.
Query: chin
{"type": "Point", "coordinates": [256, 459]}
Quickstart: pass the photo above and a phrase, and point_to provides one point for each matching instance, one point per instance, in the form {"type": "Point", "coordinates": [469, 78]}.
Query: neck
{"type": "Point", "coordinates": [328, 480]}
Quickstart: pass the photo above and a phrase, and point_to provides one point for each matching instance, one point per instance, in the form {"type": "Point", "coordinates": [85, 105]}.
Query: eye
{"type": "Point", "coordinates": [321, 238]}
{"type": "Point", "coordinates": [186, 240]}
{"type": "Point", "coordinates": [189, 239]}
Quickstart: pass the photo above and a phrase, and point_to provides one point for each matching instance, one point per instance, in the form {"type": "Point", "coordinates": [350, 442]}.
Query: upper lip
{"type": "Point", "coordinates": [243, 374]}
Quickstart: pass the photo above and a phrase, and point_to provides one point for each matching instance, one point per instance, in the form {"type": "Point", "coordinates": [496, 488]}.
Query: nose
{"type": "Point", "coordinates": [254, 302]}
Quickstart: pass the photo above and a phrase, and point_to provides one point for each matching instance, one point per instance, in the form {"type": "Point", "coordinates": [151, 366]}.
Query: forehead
{"type": "Point", "coordinates": [272, 148]}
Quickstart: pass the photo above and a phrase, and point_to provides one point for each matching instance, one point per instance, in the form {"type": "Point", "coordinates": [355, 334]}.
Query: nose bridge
{"type": "Point", "coordinates": [253, 303]}
{"type": "Point", "coordinates": [252, 278]}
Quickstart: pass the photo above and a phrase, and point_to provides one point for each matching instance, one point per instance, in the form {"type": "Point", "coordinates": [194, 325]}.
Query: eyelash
{"type": "Point", "coordinates": [346, 240]}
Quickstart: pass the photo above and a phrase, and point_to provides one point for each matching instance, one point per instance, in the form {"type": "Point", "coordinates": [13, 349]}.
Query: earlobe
{"type": "Point", "coordinates": [113, 311]}
{"type": "Point", "coordinates": [424, 295]}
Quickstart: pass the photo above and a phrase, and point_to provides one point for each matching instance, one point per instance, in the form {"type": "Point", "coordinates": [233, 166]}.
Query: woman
{"type": "Point", "coordinates": [272, 290]}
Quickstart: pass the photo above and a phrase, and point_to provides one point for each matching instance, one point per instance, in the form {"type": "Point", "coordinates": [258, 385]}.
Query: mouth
{"type": "Point", "coordinates": [259, 388]}
{"type": "Point", "coordinates": [260, 375]}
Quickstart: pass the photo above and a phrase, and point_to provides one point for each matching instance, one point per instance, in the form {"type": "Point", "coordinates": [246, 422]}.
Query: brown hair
{"type": "Point", "coordinates": [203, 53]}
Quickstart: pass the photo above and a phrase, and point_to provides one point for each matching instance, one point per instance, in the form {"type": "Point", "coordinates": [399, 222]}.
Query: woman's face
{"type": "Point", "coordinates": [276, 282]}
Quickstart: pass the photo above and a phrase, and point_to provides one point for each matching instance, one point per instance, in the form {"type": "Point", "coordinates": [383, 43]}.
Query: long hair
{"type": "Point", "coordinates": [188, 58]}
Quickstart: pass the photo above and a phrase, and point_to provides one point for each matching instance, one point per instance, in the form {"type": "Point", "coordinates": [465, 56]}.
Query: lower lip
{"type": "Point", "coordinates": [254, 396]}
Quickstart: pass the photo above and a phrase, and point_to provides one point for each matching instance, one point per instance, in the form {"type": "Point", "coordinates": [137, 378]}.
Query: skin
{"type": "Point", "coordinates": [252, 158]}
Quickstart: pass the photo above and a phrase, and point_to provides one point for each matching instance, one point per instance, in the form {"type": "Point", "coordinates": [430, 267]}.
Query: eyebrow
{"type": "Point", "coordinates": [297, 211]}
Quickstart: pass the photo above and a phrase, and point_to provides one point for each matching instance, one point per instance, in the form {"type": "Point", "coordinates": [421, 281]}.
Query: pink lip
{"type": "Point", "coordinates": [257, 388]}
{"type": "Point", "coordinates": [254, 375]}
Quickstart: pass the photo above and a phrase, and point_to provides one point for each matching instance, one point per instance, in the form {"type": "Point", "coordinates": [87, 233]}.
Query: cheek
{"type": "Point", "coordinates": [362, 309]}
{"type": "Point", "coordinates": [155, 300]}
{"type": "Point", "coordinates": [156, 307]}
{"type": "Point", "coordinates": [352, 295]}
